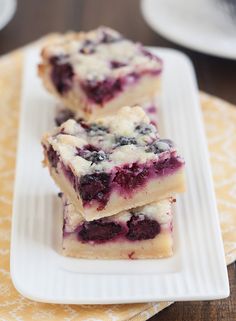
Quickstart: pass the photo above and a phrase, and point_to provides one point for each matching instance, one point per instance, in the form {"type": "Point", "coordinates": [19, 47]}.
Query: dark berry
{"type": "Point", "coordinates": [53, 157]}
{"type": "Point", "coordinates": [82, 123]}
{"type": "Point", "coordinates": [148, 54]}
{"type": "Point", "coordinates": [63, 115]}
{"type": "Point", "coordinates": [91, 154]}
{"type": "Point", "coordinates": [97, 157]}
{"type": "Point", "coordinates": [123, 140]}
{"type": "Point", "coordinates": [95, 187]}
{"type": "Point", "coordinates": [160, 146]}
{"type": "Point", "coordinates": [131, 177]}
{"type": "Point", "coordinates": [88, 47]}
{"type": "Point", "coordinates": [142, 228]}
{"type": "Point", "coordinates": [91, 148]}
{"type": "Point", "coordinates": [145, 129]}
{"type": "Point", "coordinates": [99, 231]}
{"type": "Point", "coordinates": [109, 37]}
{"type": "Point", "coordinates": [62, 76]}
{"type": "Point", "coordinates": [54, 60]}
{"type": "Point", "coordinates": [102, 91]}
{"type": "Point", "coordinates": [96, 130]}
{"type": "Point", "coordinates": [167, 166]}
{"type": "Point", "coordinates": [117, 64]}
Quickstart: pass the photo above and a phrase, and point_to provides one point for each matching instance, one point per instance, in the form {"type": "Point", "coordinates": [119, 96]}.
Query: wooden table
{"type": "Point", "coordinates": [216, 76]}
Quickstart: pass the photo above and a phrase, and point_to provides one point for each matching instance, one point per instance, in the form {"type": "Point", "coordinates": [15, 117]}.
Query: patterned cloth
{"type": "Point", "coordinates": [220, 120]}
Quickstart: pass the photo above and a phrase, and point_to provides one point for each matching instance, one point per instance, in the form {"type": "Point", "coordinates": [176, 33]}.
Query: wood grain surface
{"type": "Point", "coordinates": [216, 76]}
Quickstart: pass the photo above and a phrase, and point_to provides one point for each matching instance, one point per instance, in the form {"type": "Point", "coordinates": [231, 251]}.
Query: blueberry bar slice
{"type": "Point", "coordinates": [112, 165]}
{"type": "Point", "coordinates": [141, 233]}
{"type": "Point", "coordinates": [97, 72]}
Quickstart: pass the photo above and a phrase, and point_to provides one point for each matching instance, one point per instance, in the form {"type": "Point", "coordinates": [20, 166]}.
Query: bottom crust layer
{"type": "Point", "coordinates": [159, 247]}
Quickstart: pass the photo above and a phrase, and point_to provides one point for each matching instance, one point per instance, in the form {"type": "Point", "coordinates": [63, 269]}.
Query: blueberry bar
{"type": "Point", "coordinates": [96, 73]}
{"type": "Point", "coordinates": [112, 165]}
{"type": "Point", "coordinates": [141, 233]}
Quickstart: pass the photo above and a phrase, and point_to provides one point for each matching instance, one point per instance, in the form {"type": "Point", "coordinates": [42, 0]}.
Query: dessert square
{"type": "Point", "coordinates": [112, 165]}
{"type": "Point", "coordinates": [141, 233]}
{"type": "Point", "coordinates": [97, 72]}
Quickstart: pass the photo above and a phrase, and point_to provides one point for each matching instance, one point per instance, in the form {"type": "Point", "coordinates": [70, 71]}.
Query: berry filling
{"type": "Point", "coordinates": [99, 232]}
{"type": "Point", "coordinates": [138, 228]}
{"type": "Point", "coordinates": [62, 75]}
{"type": "Point", "coordinates": [95, 187]}
{"type": "Point", "coordinates": [117, 64]}
{"type": "Point", "coordinates": [126, 180]}
{"type": "Point", "coordinates": [102, 91]}
{"type": "Point", "coordinates": [52, 157]}
{"type": "Point", "coordinates": [63, 115]}
{"type": "Point", "coordinates": [142, 228]}
{"type": "Point", "coordinates": [167, 166]}
{"type": "Point", "coordinates": [131, 177]}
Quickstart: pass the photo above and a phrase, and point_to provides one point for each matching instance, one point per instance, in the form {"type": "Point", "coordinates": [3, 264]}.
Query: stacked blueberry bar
{"type": "Point", "coordinates": [96, 73]}
{"type": "Point", "coordinates": [141, 233]}
{"type": "Point", "coordinates": [117, 177]}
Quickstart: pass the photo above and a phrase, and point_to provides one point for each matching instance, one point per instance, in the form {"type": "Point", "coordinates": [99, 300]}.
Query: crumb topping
{"type": "Point", "coordinates": [100, 54]}
{"type": "Point", "coordinates": [125, 138]}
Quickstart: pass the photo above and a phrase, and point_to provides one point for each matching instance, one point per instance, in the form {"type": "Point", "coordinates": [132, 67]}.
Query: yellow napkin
{"type": "Point", "coordinates": [220, 120]}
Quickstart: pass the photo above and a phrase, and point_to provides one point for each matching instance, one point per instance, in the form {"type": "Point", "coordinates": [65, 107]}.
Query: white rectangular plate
{"type": "Point", "coordinates": [197, 271]}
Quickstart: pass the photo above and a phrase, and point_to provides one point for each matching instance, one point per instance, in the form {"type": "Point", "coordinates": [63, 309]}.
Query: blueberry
{"type": "Point", "coordinates": [97, 130]}
{"type": "Point", "coordinates": [145, 129]}
{"type": "Point", "coordinates": [62, 76]}
{"type": "Point", "coordinates": [160, 146]}
{"type": "Point", "coordinates": [131, 177]}
{"type": "Point", "coordinates": [102, 91]}
{"type": "Point", "coordinates": [95, 187]}
{"type": "Point", "coordinates": [142, 228]}
{"type": "Point", "coordinates": [117, 64]}
{"type": "Point", "coordinates": [63, 115]}
{"type": "Point", "coordinates": [99, 231]}
{"type": "Point", "coordinates": [123, 140]}
{"type": "Point", "coordinates": [97, 157]}
{"type": "Point", "coordinates": [88, 47]}
{"type": "Point", "coordinates": [53, 157]}
{"type": "Point", "coordinates": [92, 154]}
{"type": "Point", "coordinates": [91, 148]}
